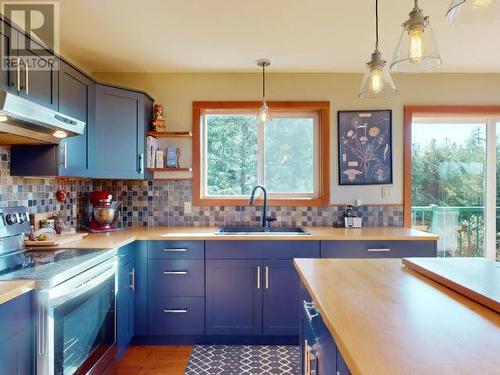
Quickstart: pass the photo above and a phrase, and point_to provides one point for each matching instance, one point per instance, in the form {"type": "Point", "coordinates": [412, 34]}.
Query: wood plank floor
{"type": "Point", "coordinates": [154, 360]}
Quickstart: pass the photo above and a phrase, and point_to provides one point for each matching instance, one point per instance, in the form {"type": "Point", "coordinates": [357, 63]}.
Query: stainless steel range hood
{"type": "Point", "coordinates": [25, 122]}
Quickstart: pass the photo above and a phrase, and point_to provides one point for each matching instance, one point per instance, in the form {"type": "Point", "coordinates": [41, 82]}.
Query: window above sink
{"type": "Point", "coordinates": [233, 152]}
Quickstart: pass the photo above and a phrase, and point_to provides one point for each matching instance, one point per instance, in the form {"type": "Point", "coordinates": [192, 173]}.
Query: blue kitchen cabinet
{"type": "Point", "coordinates": [378, 249]}
{"type": "Point", "coordinates": [7, 76]}
{"type": "Point", "coordinates": [125, 302]}
{"type": "Point", "coordinates": [234, 297]}
{"type": "Point", "coordinates": [39, 77]}
{"type": "Point", "coordinates": [252, 287]}
{"type": "Point", "coordinates": [15, 344]}
{"type": "Point", "coordinates": [281, 315]}
{"type": "Point", "coordinates": [122, 120]}
{"type": "Point", "coordinates": [320, 354]}
{"type": "Point", "coordinates": [36, 76]}
{"type": "Point", "coordinates": [72, 156]}
{"type": "Point", "coordinates": [176, 288]}
{"type": "Point", "coordinates": [141, 288]}
{"type": "Point", "coordinates": [77, 100]}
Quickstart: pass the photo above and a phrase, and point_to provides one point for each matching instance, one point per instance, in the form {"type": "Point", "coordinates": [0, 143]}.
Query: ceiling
{"type": "Point", "coordinates": [230, 35]}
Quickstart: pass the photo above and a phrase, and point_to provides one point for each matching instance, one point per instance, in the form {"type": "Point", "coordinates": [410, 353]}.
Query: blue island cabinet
{"type": "Point", "coordinates": [15, 344]}
{"type": "Point", "coordinates": [252, 288]}
{"type": "Point", "coordinates": [320, 354]}
{"type": "Point", "coordinates": [125, 302]}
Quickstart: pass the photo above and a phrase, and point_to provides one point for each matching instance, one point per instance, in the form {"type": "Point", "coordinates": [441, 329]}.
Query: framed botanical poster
{"type": "Point", "coordinates": [365, 147]}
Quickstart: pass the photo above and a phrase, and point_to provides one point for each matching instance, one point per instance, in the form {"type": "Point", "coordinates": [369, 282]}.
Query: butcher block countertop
{"type": "Point", "coordinates": [121, 238]}
{"type": "Point", "coordinates": [388, 319]}
{"type": "Point", "coordinates": [13, 289]}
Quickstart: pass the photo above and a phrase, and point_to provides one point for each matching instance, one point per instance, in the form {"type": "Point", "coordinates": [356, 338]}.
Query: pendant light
{"type": "Point", "coordinates": [417, 50]}
{"type": "Point", "coordinates": [264, 114]}
{"type": "Point", "coordinates": [467, 12]}
{"type": "Point", "coordinates": [377, 82]}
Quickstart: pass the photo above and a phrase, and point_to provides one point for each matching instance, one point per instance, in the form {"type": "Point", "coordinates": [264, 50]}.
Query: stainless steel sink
{"type": "Point", "coordinates": [277, 231]}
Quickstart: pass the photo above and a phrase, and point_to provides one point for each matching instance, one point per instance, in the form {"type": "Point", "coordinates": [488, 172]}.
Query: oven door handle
{"type": "Point", "coordinates": [58, 298]}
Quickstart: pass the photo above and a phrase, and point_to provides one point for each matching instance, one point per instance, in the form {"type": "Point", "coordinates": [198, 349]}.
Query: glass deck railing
{"type": "Point", "coordinates": [461, 229]}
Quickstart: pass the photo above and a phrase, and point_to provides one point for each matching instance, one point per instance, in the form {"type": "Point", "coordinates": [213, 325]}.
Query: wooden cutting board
{"type": "Point", "coordinates": [59, 240]}
{"type": "Point", "coordinates": [475, 278]}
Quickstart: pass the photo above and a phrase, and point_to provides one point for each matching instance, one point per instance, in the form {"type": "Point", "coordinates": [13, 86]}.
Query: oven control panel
{"type": "Point", "coordinates": [13, 221]}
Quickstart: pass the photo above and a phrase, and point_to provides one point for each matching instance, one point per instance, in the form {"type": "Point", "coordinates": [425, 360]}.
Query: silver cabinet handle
{"type": "Point", "coordinates": [267, 277]}
{"type": "Point", "coordinates": [41, 330]}
{"type": "Point", "coordinates": [386, 250]}
{"type": "Point", "coordinates": [65, 154]}
{"type": "Point", "coordinates": [27, 78]}
{"type": "Point", "coordinates": [307, 370]}
{"type": "Point", "coordinates": [132, 284]}
{"type": "Point", "coordinates": [173, 250]}
{"type": "Point", "coordinates": [258, 277]}
{"type": "Point", "coordinates": [179, 273]}
{"type": "Point", "coordinates": [18, 75]}
{"type": "Point", "coordinates": [63, 147]}
{"type": "Point", "coordinates": [141, 163]}
{"type": "Point", "coordinates": [175, 311]}
{"type": "Point", "coordinates": [308, 308]}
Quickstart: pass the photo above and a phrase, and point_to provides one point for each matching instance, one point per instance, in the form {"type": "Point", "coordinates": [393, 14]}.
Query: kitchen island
{"type": "Point", "coordinates": [386, 319]}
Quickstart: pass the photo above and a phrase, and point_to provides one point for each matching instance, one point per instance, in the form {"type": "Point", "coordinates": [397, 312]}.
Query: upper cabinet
{"type": "Point", "coordinates": [6, 76]}
{"type": "Point", "coordinates": [39, 81]}
{"type": "Point", "coordinates": [34, 69]}
{"type": "Point", "coordinates": [71, 157]}
{"type": "Point", "coordinates": [117, 119]}
{"type": "Point", "coordinates": [77, 100]}
{"type": "Point", "coordinates": [122, 120]}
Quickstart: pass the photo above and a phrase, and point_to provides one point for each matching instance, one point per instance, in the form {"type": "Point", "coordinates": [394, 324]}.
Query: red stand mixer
{"type": "Point", "coordinates": [104, 212]}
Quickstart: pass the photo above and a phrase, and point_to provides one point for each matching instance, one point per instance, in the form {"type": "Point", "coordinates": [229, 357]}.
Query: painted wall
{"type": "Point", "coordinates": [177, 92]}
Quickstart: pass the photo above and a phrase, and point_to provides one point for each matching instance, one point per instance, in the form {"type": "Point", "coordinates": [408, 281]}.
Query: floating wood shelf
{"type": "Point", "coordinates": [171, 134]}
{"type": "Point", "coordinates": [170, 169]}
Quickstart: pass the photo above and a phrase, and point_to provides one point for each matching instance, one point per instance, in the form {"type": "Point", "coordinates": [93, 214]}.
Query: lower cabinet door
{"type": "Point", "coordinates": [15, 354]}
{"type": "Point", "coordinates": [176, 316]}
{"type": "Point", "coordinates": [125, 307]}
{"type": "Point", "coordinates": [234, 297]}
{"type": "Point", "coordinates": [281, 286]}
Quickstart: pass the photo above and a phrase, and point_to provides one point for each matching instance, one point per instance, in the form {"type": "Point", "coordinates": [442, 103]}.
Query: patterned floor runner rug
{"type": "Point", "coordinates": [244, 359]}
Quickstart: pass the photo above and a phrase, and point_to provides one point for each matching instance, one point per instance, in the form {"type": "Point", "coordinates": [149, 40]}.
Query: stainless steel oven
{"type": "Point", "coordinates": [76, 323]}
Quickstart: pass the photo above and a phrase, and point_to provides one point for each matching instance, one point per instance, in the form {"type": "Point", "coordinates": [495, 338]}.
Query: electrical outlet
{"type": "Point", "coordinates": [187, 207]}
{"type": "Point", "coordinates": [386, 191]}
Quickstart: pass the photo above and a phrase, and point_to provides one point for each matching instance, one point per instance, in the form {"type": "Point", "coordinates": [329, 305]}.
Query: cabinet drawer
{"type": "Point", "coordinates": [177, 316]}
{"type": "Point", "coordinates": [15, 316]}
{"type": "Point", "coordinates": [377, 249]}
{"type": "Point", "coordinates": [262, 249]}
{"type": "Point", "coordinates": [175, 249]}
{"type": "Point", "coordinates": [176, 278]}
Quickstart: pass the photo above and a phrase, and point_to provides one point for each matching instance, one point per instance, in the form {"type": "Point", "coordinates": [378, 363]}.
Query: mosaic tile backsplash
{"type": "Point", "coordinates": [161, 203]}
{"type": "Point", "coordinates": [39, 193]}
{"type": "Point", "coordinates": [152, 203]}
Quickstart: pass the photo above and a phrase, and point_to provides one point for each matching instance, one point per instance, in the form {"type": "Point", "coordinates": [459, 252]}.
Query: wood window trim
{"type": "Point", "coordinates": [323, 109]}
{"type": "Point", "coordinates": [410, 111]}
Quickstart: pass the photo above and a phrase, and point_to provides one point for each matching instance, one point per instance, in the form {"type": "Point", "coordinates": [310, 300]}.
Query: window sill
{"type": "Point", "coordinates": [276, 202]}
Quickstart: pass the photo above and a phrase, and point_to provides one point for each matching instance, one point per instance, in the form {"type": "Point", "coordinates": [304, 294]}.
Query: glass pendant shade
{"type": "Point", "coordinates": [417, 50]}
{"type": "Point", "coordinates": [468, 12]}
{"type": "Point", "coordinates": [377, 82]}
{"type": "Point", "coordinates": [264, 114]}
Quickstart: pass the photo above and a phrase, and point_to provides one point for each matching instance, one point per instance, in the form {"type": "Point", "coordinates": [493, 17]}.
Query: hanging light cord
{"type": "Point", "coordinates": [376, 24]}
{"type": "Point", "coordinates": [264, 81]}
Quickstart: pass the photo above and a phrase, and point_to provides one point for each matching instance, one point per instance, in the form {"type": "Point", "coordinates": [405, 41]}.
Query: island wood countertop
{"type": "Point", "coordinates": [387, 319]}
{"type": "Point", "coordinates": [13, 289]}
{"type": "Point", "coordinates": [122, 238]}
